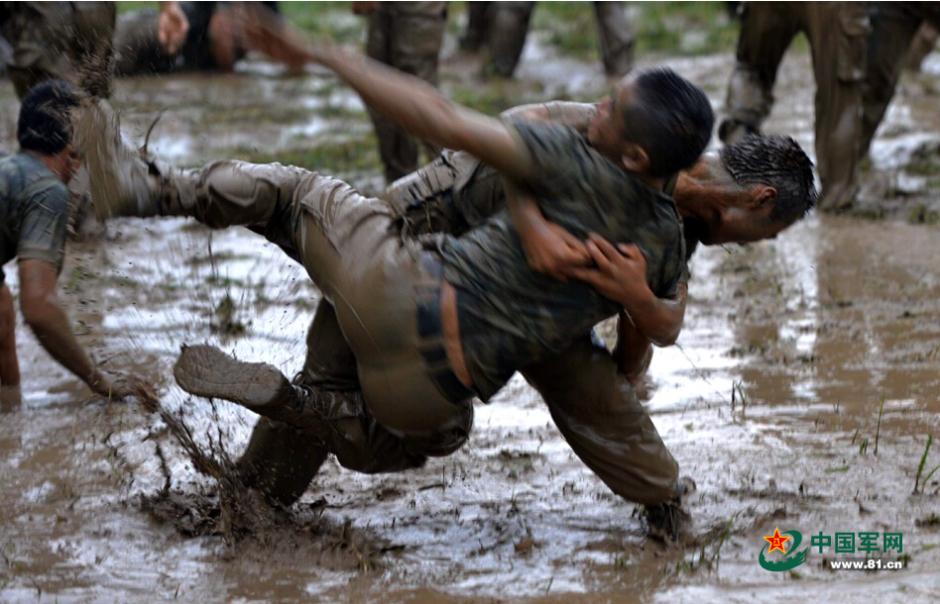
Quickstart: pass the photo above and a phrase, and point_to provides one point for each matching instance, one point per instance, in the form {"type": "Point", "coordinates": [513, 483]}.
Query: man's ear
{"type": "Point", "coordinates": [635, 159]}
{"type": "Point", "coordinates": [761, 195]}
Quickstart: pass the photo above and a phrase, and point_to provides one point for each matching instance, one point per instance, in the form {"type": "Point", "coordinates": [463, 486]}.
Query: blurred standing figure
{"type": "Point", "coordinates": [894, 27]}
{"type": "Point", "coordinates": [53, 40]}
{"type": "Point", "coordinates": [838, 35]}
{"type": "Point", "coordinates": [71, 41]}
{"type": "Point", "coordinates": [502, 28]}
{"type": "Point", "coordinates": [408, 37]}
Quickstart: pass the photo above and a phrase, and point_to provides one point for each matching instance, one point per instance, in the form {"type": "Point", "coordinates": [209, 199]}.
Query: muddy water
{"type": "Point", "coordinates": [817, 333]}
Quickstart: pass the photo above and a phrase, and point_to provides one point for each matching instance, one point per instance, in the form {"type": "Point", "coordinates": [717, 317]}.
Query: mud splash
{"type": "Point", "coordinates": [240, 515]}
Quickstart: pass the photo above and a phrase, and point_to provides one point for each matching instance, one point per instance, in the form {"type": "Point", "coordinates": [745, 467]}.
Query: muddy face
{"type": "Point", "coordinates": [801, 359]}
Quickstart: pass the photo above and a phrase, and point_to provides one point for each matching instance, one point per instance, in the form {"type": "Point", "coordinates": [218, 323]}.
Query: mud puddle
{"type": "Point", "coordinates": [800, 397]}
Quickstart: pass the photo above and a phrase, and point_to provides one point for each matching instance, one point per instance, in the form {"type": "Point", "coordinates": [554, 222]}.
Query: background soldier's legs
{"type": "Point", "coordinates": [893, 29]}
{"type": "Point", "coordinates": [56, 40]}
{"type": "Point", "coordinates": [616, 37]}
{"type": "Point", "coordinates": [508, 26]}
{"type": "Point", "coordinates": [478, 14]}
{"type": "Point", "coordinates": [838, 34]}
{"type": "Point", "coordinates": [408, 37]}
{"type": "Point", "coordinates": [766, 31]}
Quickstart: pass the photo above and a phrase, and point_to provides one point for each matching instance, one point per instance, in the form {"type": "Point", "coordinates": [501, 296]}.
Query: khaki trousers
{"type": "Point", "coordinates": [838, 35]}
{"type": "Point", "coordinates": [375, 282]}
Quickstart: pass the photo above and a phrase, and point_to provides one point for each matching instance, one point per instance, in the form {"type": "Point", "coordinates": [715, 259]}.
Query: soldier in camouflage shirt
{"type": "Point", "coordinates": [34, 208]}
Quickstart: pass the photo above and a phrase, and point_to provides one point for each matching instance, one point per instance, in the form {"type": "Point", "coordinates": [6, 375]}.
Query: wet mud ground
{"type": "Point", "coordinates": [800, 395]}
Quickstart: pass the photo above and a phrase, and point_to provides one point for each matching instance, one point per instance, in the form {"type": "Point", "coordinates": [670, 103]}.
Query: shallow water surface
{"type": "Point", "coordinates": [800, 396]}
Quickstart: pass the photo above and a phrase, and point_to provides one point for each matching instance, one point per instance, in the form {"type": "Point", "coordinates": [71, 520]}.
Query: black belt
{"type": "Point", "coordinates": [431, 346]}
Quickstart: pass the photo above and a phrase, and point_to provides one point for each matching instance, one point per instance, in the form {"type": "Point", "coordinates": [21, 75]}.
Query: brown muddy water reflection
{"type": "Point", "coordinates": [812, 332]}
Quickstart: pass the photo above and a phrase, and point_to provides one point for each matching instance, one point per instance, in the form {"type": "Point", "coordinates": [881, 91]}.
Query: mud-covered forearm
{"type": "Point", "coordinates": [45, 317]}
{"type": "Point", "coordinates": [51, 327]}
{"type": "Point", "coordinates": [634, 351]}
{"type": "Point", "coordinates": [658, 319]}
{"type": "Point", "coordinates": [9, 364]}
{"type": "Point", "coordinates": [523, 210]}
{"type": "Point", "coordinates": [548, 247]}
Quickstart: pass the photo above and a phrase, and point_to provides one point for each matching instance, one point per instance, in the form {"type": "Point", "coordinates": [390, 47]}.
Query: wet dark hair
{"type": "Point", "coordinates": [777, 161]}
{"type": "Point", "coordinates": [44, 124]}
{"type": "Point", "coordinates": [669, 117]}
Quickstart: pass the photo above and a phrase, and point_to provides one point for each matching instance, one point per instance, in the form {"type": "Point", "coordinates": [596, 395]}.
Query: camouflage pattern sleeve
{"type": "Point", "coordinates": [553, 149]}
{"type": "Point", "coordinates": [574, 115]}
{"type": "Point", "coordinates": [565, 113]}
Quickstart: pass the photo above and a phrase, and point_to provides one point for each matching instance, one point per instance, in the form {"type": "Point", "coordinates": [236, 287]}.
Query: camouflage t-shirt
{"type": "Point", "coordinates": [34, 207]}
{"type": "Point", "coordinates": [511, 316]}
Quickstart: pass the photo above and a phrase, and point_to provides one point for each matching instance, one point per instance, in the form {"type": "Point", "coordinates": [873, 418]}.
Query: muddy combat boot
{"type": "Point", "coordinates": [118, 179]}
{"type": "Point", "coordinates": [667, 521]}
{"type": "Point", "coordinates": [207, 371]}
{"type": "Point", "coordinates": [286, 448]}
{"type": "Point", "coordinates": [338, 421]}
{"type": "Point", "coordinates": [280, 461]}
{"type": "Point", "coordinates": [262, 388]}
{"type": "Point", "coordinates": [124, 181]}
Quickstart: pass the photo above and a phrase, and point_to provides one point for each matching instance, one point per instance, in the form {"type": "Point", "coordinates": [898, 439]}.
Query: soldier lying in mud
{"type": "Point", "coordinates": [207, 37]}
{"type": "Point", "coordinates": [398, 311]}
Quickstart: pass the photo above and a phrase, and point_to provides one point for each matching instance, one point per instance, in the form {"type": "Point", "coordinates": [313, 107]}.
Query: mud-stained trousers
{"type": "Point", "coordinates": [837, 33]}
{"type": "Point", "coordinates": [384, 290]}
{"type": "Point", "coordinates": [54, 40]}
{"type": "Point", "coordinates": [594, 406]}
{"type": "Point", "coordinates": [894, 27]}
{"type": "Point", "coordinates": [503, 26]}
{"type": "Point", "coordinates": [408, 37]}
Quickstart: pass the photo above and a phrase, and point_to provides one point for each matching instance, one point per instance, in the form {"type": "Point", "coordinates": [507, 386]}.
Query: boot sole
{"type": "Point", "coordinates": [207, 371]}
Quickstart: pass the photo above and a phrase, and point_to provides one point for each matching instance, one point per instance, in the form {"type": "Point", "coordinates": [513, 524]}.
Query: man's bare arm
{"type": "Point", "coordinates": [415, 105]}
{"type": "Point", "coordinates": [620, 275]}
{"type": "Point", "coordinates": [44, 315]}
{"type": "Point", "coordinates": [659, 319]}
{"type": "Point", "coordinates": [634, 351]}
{"type": "Point", "coordinates": [9, 364]}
